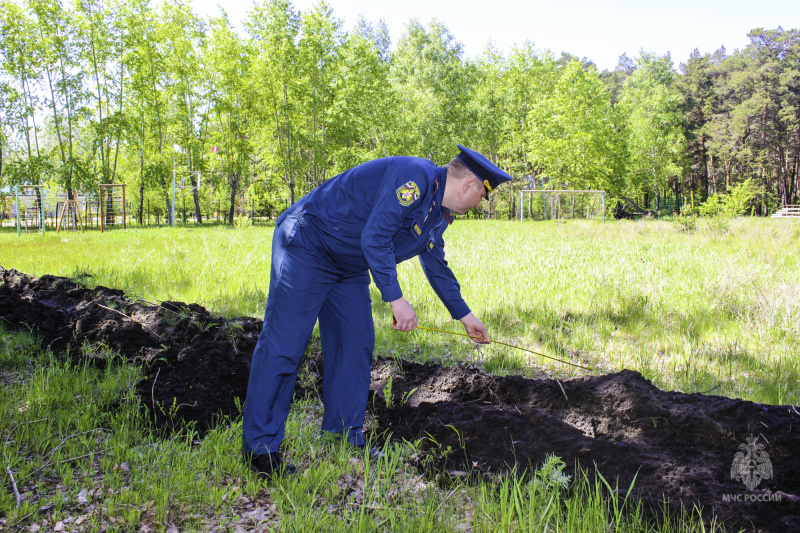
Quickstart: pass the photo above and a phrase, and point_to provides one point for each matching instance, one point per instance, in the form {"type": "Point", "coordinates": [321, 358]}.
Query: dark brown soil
{"type": "Point", "coordinates": [679, 447]}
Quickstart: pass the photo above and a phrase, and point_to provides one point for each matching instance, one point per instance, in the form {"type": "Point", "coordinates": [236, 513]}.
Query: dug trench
{"type": "Point", "coordinates": [679, 448]}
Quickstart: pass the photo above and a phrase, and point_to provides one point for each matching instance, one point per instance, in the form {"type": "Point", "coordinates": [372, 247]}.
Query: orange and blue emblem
{"type": "Point", "coordinates": [408, 193]}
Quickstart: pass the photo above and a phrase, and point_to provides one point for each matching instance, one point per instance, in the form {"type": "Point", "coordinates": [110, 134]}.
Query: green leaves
{"type": "Point", "coordinates": [432, 85]}
{"type": "Point", "coordinates": [734, 204]}
{"type": "Point", "coordinates": [101, 90]}
{"type": "Point", "coordinates": [572, 134]}
{"type": "Point", "coordinates": [653, 134]}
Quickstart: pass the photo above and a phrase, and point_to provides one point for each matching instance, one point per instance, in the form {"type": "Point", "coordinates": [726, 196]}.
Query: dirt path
{"type": "Point", "coordinates": [681, 447]}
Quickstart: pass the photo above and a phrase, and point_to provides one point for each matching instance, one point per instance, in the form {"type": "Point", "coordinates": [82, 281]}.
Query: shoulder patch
{"type": "Point", "coordinates": [408, 193]}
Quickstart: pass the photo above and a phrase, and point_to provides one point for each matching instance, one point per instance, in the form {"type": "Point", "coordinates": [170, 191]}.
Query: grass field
{"type": "Point", "coordinates": [697, 306]}
{"type": "Point", "coordinates": [716, 307]}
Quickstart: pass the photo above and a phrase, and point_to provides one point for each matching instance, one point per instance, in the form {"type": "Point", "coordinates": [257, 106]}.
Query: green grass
{"type": "Point", "coordinates": [712, 305]}
{"type": "Point", "coordinates": [82, 459]}
{"type": "Point", "coordinates": [709, 306]}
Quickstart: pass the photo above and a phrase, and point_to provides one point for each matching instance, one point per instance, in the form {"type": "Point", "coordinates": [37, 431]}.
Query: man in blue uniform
{"type": "Point", "coordinates": [361, 222]}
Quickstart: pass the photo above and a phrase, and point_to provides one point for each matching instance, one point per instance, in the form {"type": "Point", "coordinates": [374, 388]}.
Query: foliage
{"type": "Point", "coordinates": [742, 117]}
{"type": "Point", "coordinates": [432, 84]}
{"type": "Point", "coordinates": [572, 134]}
{"type": "Point", "coordinates": [736, 203]}
{"type": "Point", "coordinates": [653, 136]}
{"type": "Point", "coordinates": [126, 92]}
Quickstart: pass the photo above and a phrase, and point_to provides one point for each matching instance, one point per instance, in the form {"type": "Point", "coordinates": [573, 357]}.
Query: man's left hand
{"type": "Point", "coordinates": [475, 329]}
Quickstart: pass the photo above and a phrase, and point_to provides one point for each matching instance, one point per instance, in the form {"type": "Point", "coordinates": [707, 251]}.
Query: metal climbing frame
{"type": "Point", "coordinates": [112, 206]}
{"type": "Point", "coordinates": [30, 208]}
{"type": "Point", "coordinates": [179, 183]}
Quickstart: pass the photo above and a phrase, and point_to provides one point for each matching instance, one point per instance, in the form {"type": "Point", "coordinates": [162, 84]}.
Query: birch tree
{"type": "Point", "coordinates": [653, 133]}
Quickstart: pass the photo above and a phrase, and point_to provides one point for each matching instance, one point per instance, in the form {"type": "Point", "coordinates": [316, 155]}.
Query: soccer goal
{"type": "Point", "coordinates": [544, 204]}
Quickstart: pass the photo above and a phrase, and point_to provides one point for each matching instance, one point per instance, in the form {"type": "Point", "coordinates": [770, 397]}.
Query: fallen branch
{"type": "Point", "coordinates": [635, 205]}
{"type": "Point", "coordinates": [620, 213]}
{"type": "Point", "coordinates": [156, 304]}
{"type": "Point", "coordinates": [132, 320]}
{"type": "Point", "coordinates": [13, 485]}
{"type": "Point", "coordinates": [49, 455]}
{"type": "Point", "coordinates": [101, 452]}
{"type": "Point", "coordinates": [153, 390]}
{"type": "Point", "coordinates": [15, 426]}
{"type": "Point", "coordinates": [562, 389]}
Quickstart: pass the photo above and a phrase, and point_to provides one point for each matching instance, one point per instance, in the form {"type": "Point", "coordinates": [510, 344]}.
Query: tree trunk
{"type": "Point", "coordinates": [141, 177]}
{"type": "Point", "coordinates": [795, 170]}
{"type": "Point", "coordinates": [196, 198]}
{"type": "Point", "coordinates": [170, 214]}
{"type": "Point", "coordinates": [119, 128]}
{"type": "Point", "coordinates": [704, 175]}
{"type": "Point", "coordinates": [513, 213]}
{"type": "Point", "coordinates": [70, 170]}
{"type": "Point", "coordinates": [33, 118]}
{"type": "Point", "coordinates": [141, 204]}
{"type": "Point", "coordinates": [104, 163]}
{"type": "Point", "coordinates": [55, 118]}
{"type": "Point", "coordinates": [234, 185]}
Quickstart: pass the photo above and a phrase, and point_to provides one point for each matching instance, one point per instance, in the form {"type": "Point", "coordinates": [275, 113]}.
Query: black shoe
{"type": "Point", "coordinates": [269, 464]}
{"type": "Point", "coordinates": [374, 453]}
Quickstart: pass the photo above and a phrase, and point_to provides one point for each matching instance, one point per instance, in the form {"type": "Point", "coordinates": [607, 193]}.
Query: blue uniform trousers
{"type": "Point", "coordinates": [307, 282]}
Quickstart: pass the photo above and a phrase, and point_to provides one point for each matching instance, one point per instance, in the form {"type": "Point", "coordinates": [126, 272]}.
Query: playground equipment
{"type": "Point", "coordinates": [30, 211]}
{"type": "Point", "coordinates": [69, 217]}
{"type": "Point", "coordinates": [112, 206]}
{"type": "Point", "coordinates": [180, 184]}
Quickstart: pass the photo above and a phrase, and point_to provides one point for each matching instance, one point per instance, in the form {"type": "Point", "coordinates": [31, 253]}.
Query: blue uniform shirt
{"type": "Point", "coordinates": [381, 213]}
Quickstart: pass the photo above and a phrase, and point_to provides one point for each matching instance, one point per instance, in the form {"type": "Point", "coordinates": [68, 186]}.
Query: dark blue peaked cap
{"type": "Point", "coordinates": [490, 173]}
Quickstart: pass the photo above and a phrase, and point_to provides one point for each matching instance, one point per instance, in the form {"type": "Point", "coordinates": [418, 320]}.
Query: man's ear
{"type": "Point", "coordinates": [468, 184]}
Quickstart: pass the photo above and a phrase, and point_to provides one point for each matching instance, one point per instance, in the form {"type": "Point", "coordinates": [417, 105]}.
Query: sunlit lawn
{"type": "Point", "coordinates": [715, 308]}
{"type": "Point", "coordinates": [693, 305]}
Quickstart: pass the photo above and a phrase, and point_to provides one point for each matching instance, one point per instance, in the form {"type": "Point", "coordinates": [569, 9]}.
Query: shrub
{"type": "Point", "coordinates": [736, 203]}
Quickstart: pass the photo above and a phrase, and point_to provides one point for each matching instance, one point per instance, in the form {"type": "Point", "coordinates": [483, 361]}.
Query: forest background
{"type": "Point", "coordinates": [125, 91]}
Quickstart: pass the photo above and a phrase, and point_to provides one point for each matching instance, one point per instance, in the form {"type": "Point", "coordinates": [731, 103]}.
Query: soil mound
{"type": "Point", "coordinates": [196, 364]}
{"type": "Point", "coordinates": [681, 448]}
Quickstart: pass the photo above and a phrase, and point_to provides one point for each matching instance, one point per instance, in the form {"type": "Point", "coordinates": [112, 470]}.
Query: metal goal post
{"type": "Point", "coordinates": [557, 204]}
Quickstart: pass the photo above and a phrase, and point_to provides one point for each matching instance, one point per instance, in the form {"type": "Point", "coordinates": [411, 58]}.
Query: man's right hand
{"type": "Point", "coordinates": [405, 319]}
